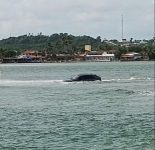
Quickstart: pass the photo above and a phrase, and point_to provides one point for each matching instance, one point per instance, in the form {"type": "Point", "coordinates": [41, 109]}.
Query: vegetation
{"type": "Point", "coordinates": [68, 44]}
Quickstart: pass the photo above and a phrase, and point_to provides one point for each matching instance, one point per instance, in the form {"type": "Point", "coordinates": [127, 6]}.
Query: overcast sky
{"type": "Point", "coordinates": [77, 17]}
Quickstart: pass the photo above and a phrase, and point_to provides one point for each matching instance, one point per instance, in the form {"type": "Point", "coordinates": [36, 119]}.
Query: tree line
{"type": "Point", "coordinates": [64, 43]}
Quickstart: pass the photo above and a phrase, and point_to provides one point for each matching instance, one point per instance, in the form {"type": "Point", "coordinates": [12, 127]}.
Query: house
{"type": "Point", "coordinates": [30, 56]}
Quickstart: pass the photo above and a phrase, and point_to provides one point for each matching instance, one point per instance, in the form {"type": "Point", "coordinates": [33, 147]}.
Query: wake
{"type": "Point", "coordinates": [8, 82]}
{"type": "Point", "coordinates": [28, 82]}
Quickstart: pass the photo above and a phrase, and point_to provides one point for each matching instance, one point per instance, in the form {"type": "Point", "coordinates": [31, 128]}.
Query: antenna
{"type": "Point", "coordinates": [122, 28]}
{"type": "Point", "coordinates": [154, 23]}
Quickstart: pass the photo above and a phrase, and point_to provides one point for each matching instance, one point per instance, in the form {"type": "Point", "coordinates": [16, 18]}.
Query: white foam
{"type": "Point", "coordinates": [28, 82]}
{"type": "Point", "coordinates": [127, 79]}
{"type": "Point", "coordinates": [4, 82]}
{"type": "Point", "coordinates": [146, 93]}
{"type": "Point", "coordinates": [132, 78]}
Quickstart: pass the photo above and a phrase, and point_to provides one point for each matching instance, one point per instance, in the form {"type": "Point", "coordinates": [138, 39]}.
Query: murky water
{"type": "Point", "coordinates": [40, 111]}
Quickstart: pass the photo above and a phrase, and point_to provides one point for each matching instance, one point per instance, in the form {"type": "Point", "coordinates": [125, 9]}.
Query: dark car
{"type": "Point", "coordinates": [84, 77]}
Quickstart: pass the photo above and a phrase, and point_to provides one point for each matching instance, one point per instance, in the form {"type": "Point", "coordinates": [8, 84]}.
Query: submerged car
{"type": "Point", "coordinates": [84, 77]}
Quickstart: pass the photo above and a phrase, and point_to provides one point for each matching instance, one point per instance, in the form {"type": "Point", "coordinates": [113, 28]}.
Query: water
{"type": "Point", "coordinates": [40, 111]}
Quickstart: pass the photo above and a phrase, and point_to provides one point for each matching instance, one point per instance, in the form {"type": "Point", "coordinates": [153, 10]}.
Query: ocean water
{"type": "Point", "coordinates": [39, 111]}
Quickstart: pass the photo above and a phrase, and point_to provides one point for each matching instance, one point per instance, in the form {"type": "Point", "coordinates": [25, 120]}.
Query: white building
{"type": "Point", "coordinates": [131, 56]}
{"type": "Point", "coordinates": [103, 57]}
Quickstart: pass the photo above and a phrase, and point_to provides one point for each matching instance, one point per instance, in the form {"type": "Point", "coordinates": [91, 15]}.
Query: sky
{"type": "Point", "coordinates": [78, 17]}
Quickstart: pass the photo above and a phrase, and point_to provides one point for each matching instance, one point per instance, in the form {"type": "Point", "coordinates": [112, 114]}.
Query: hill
{"type": "Point", "coordinates": [66, 43]}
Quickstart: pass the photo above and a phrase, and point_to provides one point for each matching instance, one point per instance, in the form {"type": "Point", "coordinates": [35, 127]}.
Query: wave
{"type": "Point", "coordinates": [133, 92]}
{"type": "Point", "coordinates": [125, 91]}
{"type": "Point", "coordinates": [146, 93]}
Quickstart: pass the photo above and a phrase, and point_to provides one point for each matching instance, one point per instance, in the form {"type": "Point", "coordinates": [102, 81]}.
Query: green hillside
{"type": "Point", "coordinates": [66, 43]}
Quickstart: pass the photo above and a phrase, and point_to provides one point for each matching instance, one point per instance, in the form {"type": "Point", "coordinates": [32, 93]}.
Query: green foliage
{"type": "Point", "coordinates": [65, 43]}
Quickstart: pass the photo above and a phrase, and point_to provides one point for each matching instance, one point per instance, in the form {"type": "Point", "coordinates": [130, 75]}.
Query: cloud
{"type": "Point", "coordinates": [90, 17]}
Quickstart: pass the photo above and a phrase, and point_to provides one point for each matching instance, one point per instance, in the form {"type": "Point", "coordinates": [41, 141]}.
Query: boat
{"type": "Point", "coordinates": [84, 77]}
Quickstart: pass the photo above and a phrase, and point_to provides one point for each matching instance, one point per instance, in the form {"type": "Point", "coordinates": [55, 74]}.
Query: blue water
{"type": "Point", "coordinates": [39, 111]}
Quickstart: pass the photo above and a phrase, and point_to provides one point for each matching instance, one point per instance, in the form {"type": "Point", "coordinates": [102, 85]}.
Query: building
{"type": "Point", "coordinates": [30, 56]}
{"type": "Point", "coordinates": [99, 56]}
{"type": "Point", "coordinates": [132, 56]}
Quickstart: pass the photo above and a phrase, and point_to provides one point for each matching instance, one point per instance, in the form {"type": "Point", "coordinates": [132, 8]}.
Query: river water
{"type": "Point", "coordinates": [39, 111]}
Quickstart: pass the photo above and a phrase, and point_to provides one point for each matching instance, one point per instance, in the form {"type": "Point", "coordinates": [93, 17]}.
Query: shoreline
{"type": "Point", "coordinates": [53, 62]}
